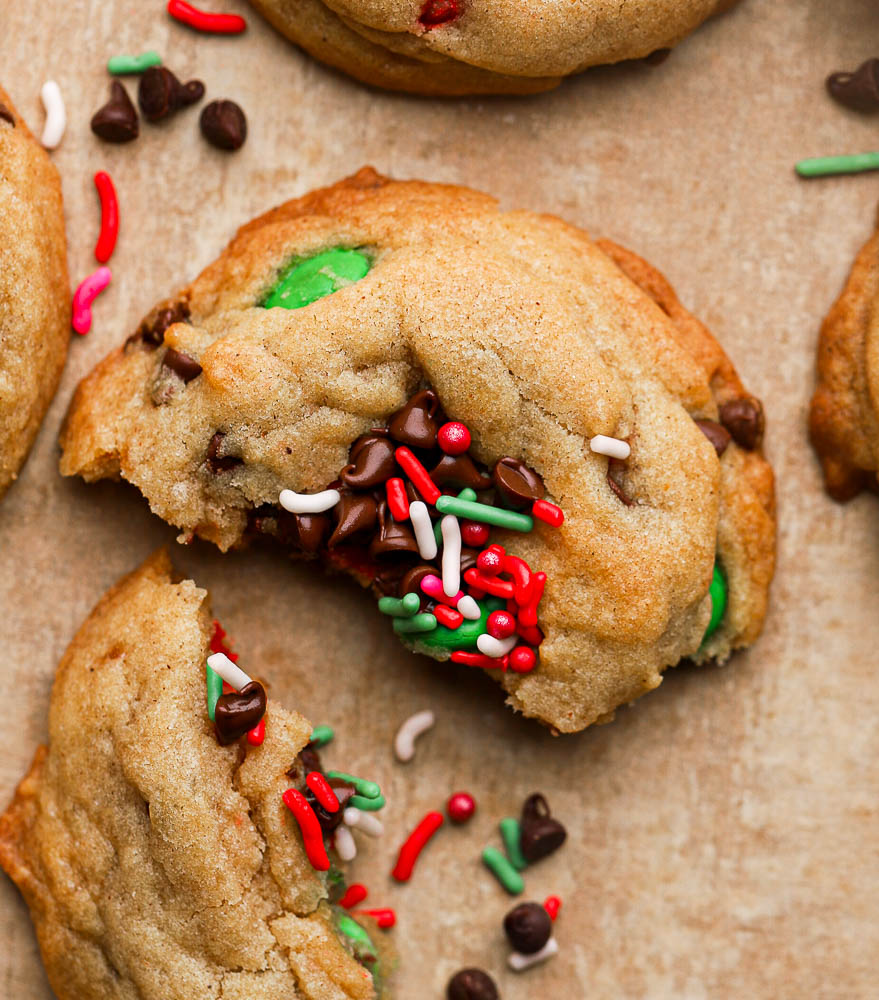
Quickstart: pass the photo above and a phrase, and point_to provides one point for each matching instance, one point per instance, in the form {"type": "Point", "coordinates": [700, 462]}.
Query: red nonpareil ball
{"type": "Point", "coordinates": [490, 561]}
{"type": "Point", "coordinates": [500, 624]}
{"type": "Point", "coordinates": [460, 807]}
{"type": "Point", "coordinates": [474, 534]}
{"type": "Point", "coordinates": [453, 438]}
{"type": "Point", "coordinates": [523, 659]}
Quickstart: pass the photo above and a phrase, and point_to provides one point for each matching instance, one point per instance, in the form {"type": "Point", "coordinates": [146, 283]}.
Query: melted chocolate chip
{"type": "Point", "coordinates": [160, 93]}
{"type": "Point", "coordinates": [859, 90]}
{"type": "Point", "coordinates": [371, 462]}
{"type": "Point", "coordinates": [354, 513]}
{"type": "Point", "coordinates": [152, 331]}
{"type": "Point", "coordinates": [528, 927]}
{"type": "Point", "coordinates": [6, 115]}
{"type": "Point", "coordinates": [460, 470]}
{"type": "Point", "coordinates": [471, 984]}
{"type": "Point", "coordinates": [411, 582]}
{"type": "Point", "coordinates": [615, 469]}
{"type": "Point", "coordinates": [393, 537]}
{"type": "Point", "coordinates": [117, 120]}
{"type": "Point", "coordinates": [416, 423]}
{"type": "Point", "coordinates": [223, 124]}
{"type": "Point", "coordinates": [217, 461]}
{"type": "Point", "coordinates": [181, 364]}
{"type": "Point", "coordinates": [311, 530]}
{"type": "Point", "coordinates": [744, 419]}
{"type": "Point", "coordinates": [716, 433]}
{"type": "Point", "coordinates": [541, 834]}
{"type": "Point", "coordinates": [239, 711]}
{"type": "Point", "coordinates": [309, 758]}
{"type": "Point", "coordinates": [329, 821]}
{"type": "Point", "coordinates": [518, 485]}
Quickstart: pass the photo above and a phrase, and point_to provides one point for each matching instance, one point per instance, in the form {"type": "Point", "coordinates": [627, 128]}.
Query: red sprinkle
{"type": "Point", "coordinates": [202, 20]}
{"type": "Point", "coordinates": [474, 534]}
{"type": "Point", "coordinates": [256, 735]}
{"type": "Point", "coordinates": [312, 835]}
{"type": "Point", "coordinates": [354, 894]}
{"type": "Point", "coordinates": [520, 571]}
{"type": "Point", "coordinates": [500, 624]}
{"type": "Point", "coordinates": [531, 634]}
{"type": "Point", "coordinates": [479, 660]}
{"type": "Point", "coordinates": [109, 217]}
{"type": "Point", "coordinates": [552, 905]}
{"type": "Point", "coordinates": [415, 844]}
{"type": "Point", "coordinates": [491, 560]}
{"type": "Point", "coordinates": [218, 643]}
{"type": "Point", "coordinates": [453, 438]}
{"type": "Point", "coordinates": [398, 502]}
{"type": "Point", "coordinates": [490, 584]}
{"type": "Point", "coordinates": [547, 512]}
{"type": "Point", "coordinates": [528, 612]}
{"type": "Point", "coordinates": [435, 13]}
{"type": "Point", "coordinates": [522, 659]}
{"type": "Point", "coordinates": [460, 807]}
{"type": "Point", "coordinates": [322, 791]}
{"type": "Point", "coordinates": [448, 616]}
{"type": "Point", "coordinates": [384, 918]}
{"type": "Point", "coordinates": [418, 474]}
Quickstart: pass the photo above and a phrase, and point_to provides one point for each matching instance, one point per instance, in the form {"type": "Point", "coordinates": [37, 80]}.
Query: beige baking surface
{"type": "Point", "coordinates": [723, 832]}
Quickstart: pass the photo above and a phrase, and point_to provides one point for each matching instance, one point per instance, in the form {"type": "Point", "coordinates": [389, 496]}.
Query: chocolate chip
{"type": "Point", "coordinates": [716, 433]}
{"type": "Point", "coordinates": [859, 90]}
{"type": "Point", "coordinates": [393, 537]}
{"type": "Point", "coordinates": [354, 513]}
{"type": "Point", "coordinates": [615, 470]}
{"type": "Point", "coordinates": [518, 485]}
{"type": "Point", "coordinates": [217, 461]}
{"type": "Point", "coordinates": [528, 927]}
{"type": "Point", "coordinates": [239, 711]}
{"type": "Point", "coordinates": [311, 529]}
{"type": "Point", "coordinates": [371, 462]}
{"type": "Point", "coordinates": [541, 834]}
{"type": "Point", "coordinates": [181, 364]}
{"type": "Point", "coordinates": [309, 758]}
{"type": "Point", "coordinates": [411, 582]}
{"type": "Point", "coordinates": [6, 115]}
{"type": "Point", "coordinates": [329, 821]}
{"type": "Point", "coordinates": [468, 558]}
{"type": "Point", "coordinates": [744, 419]}
{"type": "Point", "coordinates": [152, 331]}
{"type": "Point", "coordinates": [416, 424]}
{"type": "Point", "coordinates": [160, 93]}
{"type": "Point", "coordinates": [117, 120]}
{"type": "Point", "coordinates": [461, 471]}
{"type": "Point", "coordinates": [223, 124]}
{"type": "Point", "coordinates": [471, 984]}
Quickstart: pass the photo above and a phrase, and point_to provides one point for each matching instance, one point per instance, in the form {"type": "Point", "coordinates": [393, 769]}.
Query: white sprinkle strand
{"type": "Point", "coordinates": [495, 647]}
{"type": "Point", "coordinates": [612, 447]}
{"type": "Point", "coordinates": [423, 529]}
{"type": "Point", "coordinates": [309, 503]}
{"type": "Point", "coordinates": [519, 962]}
{"type": "Point", "coordinates": [365, 822]}
{"type": "Point", "coordinates": [451, 555]}
{"type": "Point", "coordinates": [231, 674]}
{"type": "Point", "coordinates": [56, 115]}
{"type": "Point", "coordinates": [345, 846]}
{"type": "Point", "coordinates": [408, 733]}
{"type": "Point", "coordinates": [469, 608]}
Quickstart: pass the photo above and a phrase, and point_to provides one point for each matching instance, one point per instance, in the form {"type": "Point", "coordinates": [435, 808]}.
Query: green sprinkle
{"type": "Point", "coordinates": [466, 634]}
{"type": "Point", "coordinates": [215, 689]}
{"type": "Point", "coordinates": [718, 593]}
{"type": "Point", "coordinates": [511, 833]}
{"type": "Point", "coordinates": [402, 607]}
{"type": "Point", "coordinates": [425, 622]}
{"type": "Point", "coordinates": [321, 735]}
{"type": "Point", "coordinates": [482, 512]}
{"type": "Point", "coordinates": [361, 945]}
{"type": "Point", "coordinates": [306, 281]}
{"type": "Point", "coordinates": [368, 789]}
{"type": "Point", "coordinates": [503, 871]}
{"type": "Point", "coordinates": [465, 494]}
{"type": "Point", "coordinates": [367, 805]}
{"type": "Point", "coordinates": [128, 65]}
{"type": "Point", "coordinates": [826, 166]}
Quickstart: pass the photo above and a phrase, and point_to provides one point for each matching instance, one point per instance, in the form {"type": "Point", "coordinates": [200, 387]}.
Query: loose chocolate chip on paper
{"type": "Point", "coordinates": [160, 93]}
{"type": "Point", "coordinates": [859, 90]}
{"type": "Point", "coordinates": [223, 124]}
{"type": "Point", "coordinates": [239, 711]}
{"type": "Point", "coordinates": [416, 423]}
{"type": "Point", "coordinates": [117, 120]}
{"type": "Point", "coordinates": [716, 433]}
{"type": "Point", "coordinates": [6, 115]}
{"type": "Point", "coordinates": [541, 834]}
{"type": "Point", "coordinates": [371, 462]}
{"type": "Point", "coordinates": [471, 984]}
{"type": "Point", "coordinates": [528, 927]}
{"type": "Point", "coordinates": [518, 485]}
{"type": "Point", "coordinates": [181, 364]}
{"type": "Point", "coordinates": [744, 419]}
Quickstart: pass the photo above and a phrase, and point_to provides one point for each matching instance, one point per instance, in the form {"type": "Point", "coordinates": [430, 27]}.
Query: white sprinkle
{"type": "Point", "coordinates": [469, 608]}
{"type": "Point", "coordinates": [451, 555]}
{"type": "Point", "coordinates": [309, 503]}
{"type": "Point", "coordinates": [56, 115]}
{"type": "Point", "coordinates": [345, 846]}
{"type": "Point", "coordinates": [519, 962]}
{"type": "Point", "coordinates": [424, 536]}
{"type": "Point", "coordinates": [612, 447]}
{"type": "Point", "coordinates": [412, 728]}
{"type": "Point", "coordinates": [364, 821]}
{"type": "Point", "coordinates": [231, 674]}
{"type": "Point", "coordinates": [495, 647]}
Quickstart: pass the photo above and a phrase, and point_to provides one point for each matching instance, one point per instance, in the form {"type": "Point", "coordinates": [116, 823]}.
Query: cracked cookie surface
{"type": "Point", "coordinates": [532, 335]}
{"type": "Point", "coordinates": [158, 864]}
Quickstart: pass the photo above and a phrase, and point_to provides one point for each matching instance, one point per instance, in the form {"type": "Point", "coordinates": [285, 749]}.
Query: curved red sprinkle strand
{"type": "Point", "coordinates": [109, 217]}
{"type": "Point", "coordinates": [385, 918]}
{"type": "Point", "coordinates": [415, 844]}
{"type": "Point", "coordinates": [219, 644]}
{"type": "Point", "coordinates": [312, 835]}
{"type": "Point", "coordinates": [520, 571]}
{"type": "Point", "coordinates": [448, 616]}
{"type": "Point", "coordinates": [479, 660]}
{"type": "Point", "coordinates": [528, 612]}
{"type": "Point", "coordinates": [418, 474]}
{"type": "Point", "coordinates": [354, 894]}
{"type": "Point", "coordinates": [257, 735]}
{"type": "Point", "coordinates": [322, 791]}
{"type": "Point", "coordinates": [202, 20]}
{"type": "Point", "coordinates": [552, 905]}
{"type": "Point", "coordinates": [489, 584]}
{"type": "Point", "coordinates": [438, 12]}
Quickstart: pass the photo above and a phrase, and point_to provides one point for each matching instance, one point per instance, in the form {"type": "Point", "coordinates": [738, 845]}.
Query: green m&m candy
{"type": "Point", "coordinates": [306, 281]}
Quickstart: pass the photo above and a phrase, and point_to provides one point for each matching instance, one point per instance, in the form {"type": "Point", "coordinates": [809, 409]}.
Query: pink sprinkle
{"type": "Point", "coordinates": [86, 293]}
{"type": "Point", "coordinates": [432, 585]}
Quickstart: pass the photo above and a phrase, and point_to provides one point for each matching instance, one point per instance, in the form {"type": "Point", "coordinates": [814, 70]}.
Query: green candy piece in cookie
{"type": "Point", "coordinates": [718, 592]}
{"type": "Point", "coordinates": [306, 281]}
{"type": "Point", "coordinates": [463, 637]}
{"type": "Point", "coordinates": [360, 944]}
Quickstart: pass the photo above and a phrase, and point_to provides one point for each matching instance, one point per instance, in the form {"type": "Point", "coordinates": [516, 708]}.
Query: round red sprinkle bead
{"type": "Point", "coordinates": [522, 659]}
{"type": "Point", "coordinates": [474, 534]}
{"type": "Point", "coordinates": [453, 438]}
{"type": "Point", "coordinates": [491, 560]}
{"type": "Point", "coordinates": [460, 807]}
{"type": "Point", "coordinates": [500, 624]}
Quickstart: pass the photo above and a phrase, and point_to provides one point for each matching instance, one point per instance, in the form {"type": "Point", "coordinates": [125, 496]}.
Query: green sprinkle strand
{"type": "Point", "coordinates": [403, 607]}
{"type": "Point", "coordinates": [129, 65]}
{"type": "Point", "coordinates": [503, 871]}
{"type": "Point", "coordinates": [215, 689]}
{"type": "Point", "coordinates": [828, 166]}
{"type": "Point", "coordinates": [511, 834]}
{"type": "Point", "coordinates": [465, 494]}
{"type": "Point", "coordinates": [425, 622]}
{"type": "Point", "coordinates": [321, 735]}
{"type": "Point", "coordinates": [368, 789]}
{"type": "Point", "coordinates": [367, 805]}
{"type": "Point", "coordinates": [510, 519]}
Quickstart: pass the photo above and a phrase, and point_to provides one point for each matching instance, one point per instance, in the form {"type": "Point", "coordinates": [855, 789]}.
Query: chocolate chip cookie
{"type": "Point", "coordinates": [844, 418]}
{"type": "Point", "coordinates": [34, 289]}
{"type": "Point", "coordinates": [152, 854]}
{"type": "Point", "coordinates": [540, 463]}
{"type": "Point", "coordinates": [455, 47]}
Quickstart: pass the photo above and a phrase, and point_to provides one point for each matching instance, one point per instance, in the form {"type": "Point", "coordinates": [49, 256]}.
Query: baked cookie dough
{"type": "Point", "coordinates": [326, 316]}
{"type": "Point", "coordinates": [156, 862]}
{"type": "Point", "coordinates": [457, 47]}
{"type": "Point", "coordinates": [34, 289]}
{"type": "Point", "coordinates": [844, 418]}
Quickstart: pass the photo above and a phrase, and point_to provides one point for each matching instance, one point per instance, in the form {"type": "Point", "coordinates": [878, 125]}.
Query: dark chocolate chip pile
{"type": "Point", "coordinates": [471, 984]}
{"type": "Point", "coordinates": [528, 927]}
{"type": "Point", "coordinates": [160, 93]}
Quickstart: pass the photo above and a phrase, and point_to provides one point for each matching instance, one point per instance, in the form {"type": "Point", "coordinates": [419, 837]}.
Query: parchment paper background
{"type": "Point", "coordinates": [723, 836]}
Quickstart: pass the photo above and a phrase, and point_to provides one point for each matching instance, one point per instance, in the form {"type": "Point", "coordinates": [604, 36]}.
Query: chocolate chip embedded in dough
{"type": "Point", "coordinates": [394, 537]}
{"type": "Point", "coordinates": [6, 115]}
{"type": "Point", "coordinates": [217, 461]}
{"type": "Point", "coordinates": [416, 423]}
{"type": "Point", "coordinates": [744, 419]}
{"type": "Point", "coordinates": [518, 485]}
{"type": "Point", "coordinates": [181, 364]}
{"type": "Point", "coordinates": [152, 332]}
{"type": "Point", "coordinates": [371, 462]}
{"type": "Point", "coordinates": [859, 90]}
{"type": "Point", "coordinates": [353, 514]}
{"type": "Point", "coordinates": [716, 433]}
{"type": "Point", "coordinates": [615, 469]}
